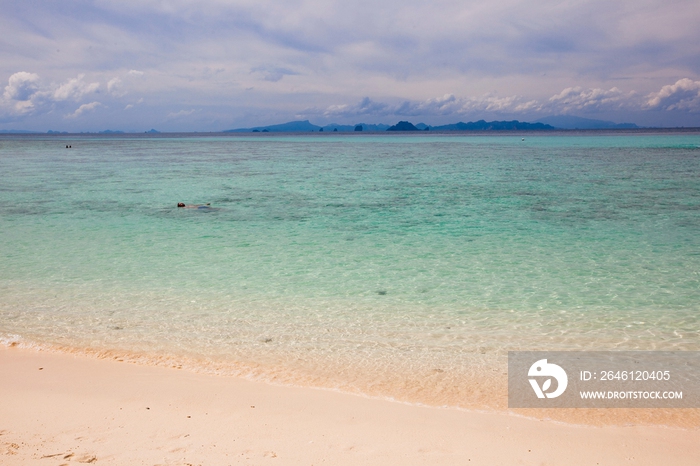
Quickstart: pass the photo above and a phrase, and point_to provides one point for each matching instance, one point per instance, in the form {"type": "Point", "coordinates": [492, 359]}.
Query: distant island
{"type": "Point", "coordinates": [574, 122]}
{"type": "Point", "coordinates": [306, 126]}
{"type": "Point", "coordinates": [549, 123]}
{"type": "Point", "coordinates": [552, 122]}
{"type": "Point", "coordinates": [481, 125]}
{"type": "Point", "coordinates": [404, 126]}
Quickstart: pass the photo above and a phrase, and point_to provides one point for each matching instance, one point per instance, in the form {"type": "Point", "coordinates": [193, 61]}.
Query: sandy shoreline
{"type": "Point", "coordinates": [66, 409]}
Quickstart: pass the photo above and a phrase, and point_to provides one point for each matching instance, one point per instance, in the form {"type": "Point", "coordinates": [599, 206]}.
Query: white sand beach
{"type": "Point", "coordinates": [62, 409]}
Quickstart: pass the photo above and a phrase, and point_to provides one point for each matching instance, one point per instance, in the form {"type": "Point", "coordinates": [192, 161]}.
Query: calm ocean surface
{"type": "Point", "coordinates": [403, 266]}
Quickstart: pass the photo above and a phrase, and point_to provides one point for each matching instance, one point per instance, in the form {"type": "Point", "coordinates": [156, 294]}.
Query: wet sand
{"type": "Point", "coordinates": [62, 409]}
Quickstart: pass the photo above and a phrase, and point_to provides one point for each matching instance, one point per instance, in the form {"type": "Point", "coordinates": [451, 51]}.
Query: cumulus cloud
{"type": "Point", "coordinates": [683, 95]}
{"type": "Point", "coordinates": [446, 105]}
{"type": "Point", "coordinates": [580, 99]}
{"type": "Point", "coordinates": [84, 108]}
{"type": "Point", "coordinates": [494, 103]}
{"type": "Point", "coordinates": [74, 89]}
{"type": "Point", "coordinates": [21, 86]}
{"type": "Point", "coordinates": [365, 107]}
{"type": "Point", "coordinates": [21, 92]}
{"type": "Point", "coordinates": [27, 94]}
{"type": "Point", "coordinates": [25, 91]}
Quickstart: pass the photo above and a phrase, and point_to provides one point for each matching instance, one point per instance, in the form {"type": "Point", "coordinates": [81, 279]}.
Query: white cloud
{"type": "Point", "coordinates": [683, 95]}
{"type": "Point", "coordinates": [26, 95]}
{"type": "Point", "coordinates": [74, 89]}
{"type": "Point", "coordinates": [181, 113]}
{"type": "Point", "coordinates": [140, 101]}
{"type": "Point", "coordinates": [529, 106]}
{"type": "Point", "coordinates": [22, 92]}
{"type": "Point", "coordinates": [366, 106]}
{"type": "Point", "coordinates": [493, 103]}
{"type": "Point", "coordinates": [114, 87]}
{"type": "Point", "coordinates": [446, 105]}
{"type": "Point", "coordinates": [136, 73]}
{"type": "Point", "coordinates": [580, 99]}
{"type": "Point", "coordinates": [21, 86]}
{"type": "Point", "coordinates": [84, 108]}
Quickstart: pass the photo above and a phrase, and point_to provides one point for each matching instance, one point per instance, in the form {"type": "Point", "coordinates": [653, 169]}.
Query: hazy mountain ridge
{"type": "Point", "coordinates": [574, 122]}
{"type": "Point", "coordinates": [481, 125]}
{"type": "Point", "coordinates": [552, 122]}
{"type": "Point", "coordinates": [306, 126]}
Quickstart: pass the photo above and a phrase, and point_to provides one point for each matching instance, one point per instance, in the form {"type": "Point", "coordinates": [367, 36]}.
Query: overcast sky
{"type": "Point", "coordinates": [178, 65]}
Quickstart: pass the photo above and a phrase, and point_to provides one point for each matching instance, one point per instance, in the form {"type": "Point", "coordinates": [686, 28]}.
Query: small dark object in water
{"type": "Point", "coordinates": [194, 206]}
{"type": "Point", "coordinates": [381, 292]}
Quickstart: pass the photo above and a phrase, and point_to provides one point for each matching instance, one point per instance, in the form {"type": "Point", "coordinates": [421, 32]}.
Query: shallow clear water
{"type": "Point", "coordinates": [402, 265]}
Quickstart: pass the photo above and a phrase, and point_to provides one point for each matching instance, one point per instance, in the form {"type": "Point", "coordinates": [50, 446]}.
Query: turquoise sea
{"type": "Point", "coordinates": [401, 266]}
